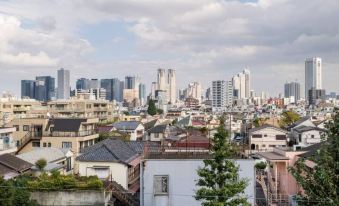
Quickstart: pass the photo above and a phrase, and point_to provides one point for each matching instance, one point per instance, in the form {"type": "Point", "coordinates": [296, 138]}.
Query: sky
{"type": "Point", "coordinates": [204, 40]}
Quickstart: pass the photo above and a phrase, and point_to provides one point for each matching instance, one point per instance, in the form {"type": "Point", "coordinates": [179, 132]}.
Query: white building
{"type": "Point", "coordinates": [194, 90]}
{"type": "Point", "coordinates": [63, 84]}
{"type": "Point", "coordinates": [161, 184]}
{"type": "Point", "coordinates": [219, 95]}
{"type": "Point", "coordinates": [7, 143]}
{"type": "Point", "coordinates": [313, 74]}
{"type": "Point", "coordinates": [161, 79]}
{"type": "Point", "coordinates": [241, 84]}
{"type": "Point", "coordinates": [172, 86]}
{"type": "Point", "coordinates": [266, 137]}
{"type": "Point", "coordinates": [305, 136]}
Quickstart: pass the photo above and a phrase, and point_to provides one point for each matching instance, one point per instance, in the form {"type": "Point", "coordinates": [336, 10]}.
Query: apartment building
{"type": "Point", "coordinates": [7, 144]}
{"type": "Point", "coordinates": [70, 133]}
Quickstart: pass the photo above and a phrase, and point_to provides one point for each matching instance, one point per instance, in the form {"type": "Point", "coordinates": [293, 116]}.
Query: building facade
{"type": "Point", "coordinates": [292, 89]}
{"type": "Point", "coordinates": [64, 87]}
{"type": "Point", "coordinates": [313, 74]}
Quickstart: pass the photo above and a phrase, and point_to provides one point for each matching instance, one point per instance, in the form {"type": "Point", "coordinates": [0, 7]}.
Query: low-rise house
{"type": "Point", "coordinates": [111, 159]}
{"type": "Point", "coordinates": [266, 137]}
{"type": "Point", "coordinates": [12, 166]}
{"type": "Point", "coordinates": [133, 128]}
{"type": "Point", "coordinates": [158, 133]}
{"type": "Point", "coordinates": [304, 136]}
{"type": "Point", "coordinates": [162, 184]}
{"type": "Point", "coordinates": [7, 143]}
{"type": "Point", "coordinates": [57, 159]}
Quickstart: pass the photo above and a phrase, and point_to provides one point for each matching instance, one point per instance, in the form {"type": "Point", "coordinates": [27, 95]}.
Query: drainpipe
{"type": "Point", "coordinates": [142, 183]}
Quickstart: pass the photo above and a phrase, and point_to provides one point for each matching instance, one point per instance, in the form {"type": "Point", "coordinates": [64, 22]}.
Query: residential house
{"type": "Point", "coordinates": [111, 159]}
{"type": "Point", "coordinates": [158, 133]}
{"type": "Point", "coordinates": [266, 137]}
{"type": "Point", "coordinates": [57, 159]}
{"type": "Point", "coordinates": [133, 128]}
{"type": "Point", "coordinates": [304, 136]}
{"type": "Point", "coordinates": [12, 166]}
{"type": "Point", "coordinates": [7, 143]}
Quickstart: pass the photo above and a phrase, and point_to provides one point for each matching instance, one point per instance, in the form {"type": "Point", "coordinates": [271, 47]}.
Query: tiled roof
{"type": "Point", "coordinates": [50, 154]}
{"type": "Point", "coordinates": [302, 129]}
{"type": "Point", "coordinates": [126, 125]}
{"type": "Point", "coordinates": [14, 163]}
{"type": "Point", "coordinates": [109, 150]}
{"type": "Point", "coordinates": [272, 156]}
{"type": "Point", "coordinates": [138, 146]}
{"type": "Point", "coordinates": [66, 125]}
{"type": "Point", "coordinates": [158, 129]}
{"type": "Point", "coordinates": [266, 126]}
{"type": "Point", "coordinates": [311, 150]}
{"type": "Point", "coordinates": [150, 124]}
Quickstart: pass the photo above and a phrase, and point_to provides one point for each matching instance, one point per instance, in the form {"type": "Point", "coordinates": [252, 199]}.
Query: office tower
{"type": "Point", "coordinates": [142, 93]}
{"type": "Point", "coordinates": [63, 84]}
{"type": "Point", "coordinates": [208, 94]}
{"type": "Point", "coordinates": [313, 76]}
{"type": "Point", "coordinates": [218, 95]}
{"type": "Point", "coordinates": [131, 82]}
{"type": "Point", "coordinates": [316, 95]}
{"type": "Point", "coordinates": [292, 89]}
{"type": "Point", "coordinates": [83, 84]}
{"type": "Point", "coordinates": [94, 84]}
{"type": "Point", "coordinates": [153, 89]}
{"type": "Point", "coordinates": [161, 83]}
{"type": "Point", "coordinates": [194, 90]}
{"type": "Point", "coordinates": [121, 91]}
{"type": "Point", "coordinates": [113, 89]}
{"type": "Point", "coordinates": [252, 94]}
{"type": "Point", "coordinates": [27, 88]}
{"type": "Point", "coordinates": [44, 88]}
{"type": "Point", "coordinates": [229, 93]}
{"type": "Point", "coordinates": [241, 83]}
{"type": "Point", "coordinates": [172, 86]}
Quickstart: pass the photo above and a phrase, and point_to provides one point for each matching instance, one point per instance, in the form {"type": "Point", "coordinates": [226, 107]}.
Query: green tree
{"type": "Point", "coordinates": [6, 192]}
{"type": "Point", "coordinates": [261, 165]}
{"type": "Point", "coordinates": [288, 118]}
{"type": "Point", "coordinates": [321, 183]}
{"type": "Point", "coordinates": [160, 111]}
{"type": "Point", "coordinates": [41, 164]}
{"type": "Point", "coordinates": [151, 110]}
{"type": "Point", "coordinates": [219, 184]}
{"type": "Point", "coordinates": [258, 122]}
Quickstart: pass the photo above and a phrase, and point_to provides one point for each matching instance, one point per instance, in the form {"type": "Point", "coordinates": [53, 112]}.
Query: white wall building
{"type": "Point", "coordinates": [194, 90]}
{"type": "Point", "coordinates": [161, 184]}
{"type": "Point", "coordinates": [172, 86]}
{"type": "Point", "coordinates": [219, 95]}
{"type": "Point", "coordinates": [313, 74]}
{"type": "Point", "coordinates": [241, 84]}
{"type": "Point", "coordinates": [266, 137]}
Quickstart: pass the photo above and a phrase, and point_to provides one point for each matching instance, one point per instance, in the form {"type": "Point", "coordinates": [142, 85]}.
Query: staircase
{"type": "Point", "coordinates": [122, 195]}
{"type": "Point", "coordinates": [29, 136]}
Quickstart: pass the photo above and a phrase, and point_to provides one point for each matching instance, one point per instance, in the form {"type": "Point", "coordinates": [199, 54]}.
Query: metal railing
{"type": "Point", "coordinates": [69, 134]}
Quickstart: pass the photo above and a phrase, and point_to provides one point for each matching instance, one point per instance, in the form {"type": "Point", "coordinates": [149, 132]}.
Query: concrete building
{"type": "Point", "coordinates": [161, 184]}
{"type": "Point", "coordinates": [313, 74]}
{"type": "Point", "coordinates": [83, 84]}
{"type": "Point", "coordinates": [64, 87]}
{"type": "Point", "coordinates": [113, 89]}
{"type": "Point", "coordinates": [194, 90]}
{"type": "Point", "coordinates": [44, 88]}
{"type": "Point", "coordinates": [292, 89]}
{"type": "Point", "coordinates": [219, 102]}
{"type": "Point", "coordinates": [161, 80]}
{"type": "Point", "coordinates": [7, 143]}
{"type": "Point", "coordinates": [315, 96]}
{"type": "Point", "coordinates": [172, 86]}
{"type": "Point", "coordinates": [142, 93]}
{"type": "Point", "coordinates": [153, 89]}
{"type": "Point", "coordinates": [266, 137]}
{"type": "Point", "coordinates": [27, 89]}
{"type": "Point", "coordinates": [242, 84]}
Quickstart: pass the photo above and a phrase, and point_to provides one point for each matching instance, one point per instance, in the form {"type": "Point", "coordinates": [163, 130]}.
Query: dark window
{"type": "Point", "coordinates": [69, 164]}
{"type": "Point", "coordinates": [312, 136]}
{"type": "Point", "coordinates": [35, 144]}
{"type": "Point", "coordinates": [44, 144]}
{"type": "Point", "coordinates": [280, 137]}
{"type": "Point", "coordinates": [16, 127]}
{"type": "Point", "coordinates": [66, 144]}
{"type": "Point", "coordinates": [299, 137]}
{"type": "Point", "coordinates": [257, 136]}
{"type": "Point", "coordinates": [25, 128]}
{"type": "Point", "coordinates": [161, 185]}
{"type": "Point", "coordinates": [49, 144]}
{"type": "Point", "coordinates": [265, 135]}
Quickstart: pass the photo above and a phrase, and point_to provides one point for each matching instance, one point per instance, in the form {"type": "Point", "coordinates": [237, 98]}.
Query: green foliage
{"type": "Point", "coordinates": [151, 110]}
{"type": "Point", "coordinates": [258, 122]}
{"type": "Point", "coordinates": [160, 111]}
{"type": "Point", "coordinates": [321, 183]}
{"type": "Point", "coordinates": [41, 164]}
{"type": "Point", "coordinates": [203, 130]}
{"type": "Point", "coordinates": [261, 165]}
{"type": "Point", "coordinates": [126, 113]}
{"type": "Point", "coordinates": [6, 192]}
{"type": "Point", "coordinates": [106, 135]}
{"type": "Point", "coordinates": [219, 184]}
{"type": "Point", "coordinates": [288, 118]}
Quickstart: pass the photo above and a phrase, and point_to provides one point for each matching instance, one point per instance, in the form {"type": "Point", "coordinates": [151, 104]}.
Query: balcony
{"type": "Point", "coordinates": [70, 134]}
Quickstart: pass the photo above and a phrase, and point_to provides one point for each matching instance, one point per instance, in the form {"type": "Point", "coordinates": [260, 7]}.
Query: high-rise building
{"type": "Point", "coordinates": [161, 80]}
{"type": "Point", "coordinates": [194, 90]}
{"type": "Point", "coordinates": [313, 75]}
{"type": "Point", "coordinates": [130, 82]}
{"type": "Point", "coordinates": [63, 84]}
{"type": "Point", "coordinates": [242, 85]}
{"type": "Point", "coordinates": [292, 89]}
{"type": "Point", "coordinates": [316, 95]}
{"type": "Point", "coordinates": [142, 93]}
{"type": "Point", "coordinates": [113, 90]}
{"type": "Point", "coordinates": [83, 84]}
{"type": "Point", "coordinates": [153, 89]}
{"type": "Point", "coordinates": [94, 84]}
{"type": "Point", "coordinates": [229, 93]}
{"type": "Point", "coordinates": [44, 88]}
{"type": "Point", "coordinates": [172, 86]}
{"type": "Point", "coordinates": [27, 88]}
{"type": "Point", "coordinates": [218, 95]}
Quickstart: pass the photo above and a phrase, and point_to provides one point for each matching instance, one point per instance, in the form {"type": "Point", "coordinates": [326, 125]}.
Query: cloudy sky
{"type": "Point", "coordinates": [203, 40]}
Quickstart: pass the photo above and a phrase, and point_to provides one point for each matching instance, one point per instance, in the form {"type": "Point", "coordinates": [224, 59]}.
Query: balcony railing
{"type": "Point", "coordinates": [70, 134]}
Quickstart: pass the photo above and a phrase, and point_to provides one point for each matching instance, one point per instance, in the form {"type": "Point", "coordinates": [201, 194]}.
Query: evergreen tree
{"type": "Point", "coordinates": [321, 183]}
{"type": "Point", "coordinates": [151, 110]}
{"type": "Point", "coordinates": [219, 184]}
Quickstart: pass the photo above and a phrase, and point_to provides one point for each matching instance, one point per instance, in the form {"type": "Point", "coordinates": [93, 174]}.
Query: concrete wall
{"type": "Point", "coordinates": [97, 198]}
{"type": "Point", "coordinates": [182, 177]}
{"type": "Point", "coordinates": [264, 142]}
{"type": "Point", "coordinates": [119, 171]}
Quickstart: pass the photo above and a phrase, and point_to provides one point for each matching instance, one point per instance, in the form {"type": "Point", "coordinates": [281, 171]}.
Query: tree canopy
{"type": "Point", "coordinates": [288, 118]}
{"type": "Point", "coordinates": [321, 183]}
{"type": "Point", "coordinates": [151, 110]}
{"type": "Point", "coordinates": [219, 184]}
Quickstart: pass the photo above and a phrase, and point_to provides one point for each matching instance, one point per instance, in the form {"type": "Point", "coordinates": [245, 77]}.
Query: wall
{"type": "Point", "coordinates": [182, 181]}
{"type": "Point", "coordinates": [119, 171]}
{"type": "Point", "coordinates": [97, 198]}
{"type": "Point", "coordinates": [269, 140]}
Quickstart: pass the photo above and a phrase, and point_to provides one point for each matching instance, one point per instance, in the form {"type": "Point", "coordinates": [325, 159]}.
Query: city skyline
{"type": "Point", "coordinates": [202, 40]}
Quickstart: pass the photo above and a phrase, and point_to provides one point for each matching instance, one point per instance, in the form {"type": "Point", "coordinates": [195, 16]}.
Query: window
{"type": "Point", "coordinates": [299, 137]}
{"type": "Point", "coordinates": [16, 127]}
{"type": "Point", "coordinates": [35, 144]}
{"type": "Point", "coordinates": [280, 137]}
{"type": "Point", "coordinates": [265, 135]}
{"type": "Point", "coordinates": [66, 144]}
{"type": "Point", "coordinates": [68, 164]}
{"type": "Point", "coordinates": [161, 185]}
{"type": "Point", "coordinates": [25, 128]}
{"type": "Point", "coordinates": [263, 145]}
{"type": "Point", "coordinates": [44, 144]}
{"type": "Point", "coordinates": [312, 136]}
{"type": "Point", "coordinates": [49, 144]}
{"type": "Point", "coordinates": [257, 136]}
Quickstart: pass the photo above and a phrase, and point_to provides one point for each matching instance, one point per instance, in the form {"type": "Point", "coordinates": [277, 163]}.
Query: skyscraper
{"type": "Point", "coordinates": [242, 84]}
{"type": "Point", "coordinates": [292, 89]}
{"type": "Point", "coordinates": [113, 90]}
{"type": "Point", "coordinates": [194, 90]}
{"type": "Point", "coordinates": [161, 80]}
{"type": "Point", "coordinates": [130, 82]}
{"type": "Point", "coordinates": [172, 86]}
{"type": "Point", "coordinates": [229, 93]}
{"type": "Point", "coordinates": [63, 84]}
{"type": "Point", "coordinates": [27, 88]}
{"type": "Point", "coordinates": [83, 84]}
{"type": "Point", "coordinates": [218, 95]}
{"type": "Point", "coordinates": [44, 88]}
{"type": "Point", "coordinates": [313, 75]}
{"type": "Point", "coordinates": [142, 93]}
{"type": "Point", "coordinates": [153, 89]}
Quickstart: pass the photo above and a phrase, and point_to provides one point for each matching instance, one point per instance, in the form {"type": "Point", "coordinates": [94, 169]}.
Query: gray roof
{"type": "Point", "coordinates": [311, 150]}
{"type": "Point", "coordinates": [50, 154]}
{"type": "Point", "coordinates": [109, 150]}
{"type": "Point", "coordinates": [150, 124]}
{"type": "Point", "coordinates": [66, 125]}
{"type": "Point", "coordinates": [301, 120]}
{"type": "Point", "coordinates": [10, 162]}
{"type": "Point", "coordinates": [126, 125]}
{"type": "Point", "coordinates": [272, 156]}
{"type": "Point", "coordinates": [302, 129]}
{"type": "Point", "coordinates": [266, 126]}
{"type": "Point", "coordinates": [158, 129]}
{"type": "Point", "coordinates": [138, 146]}
{"type": "Point", "coordinates": [184, 121]}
